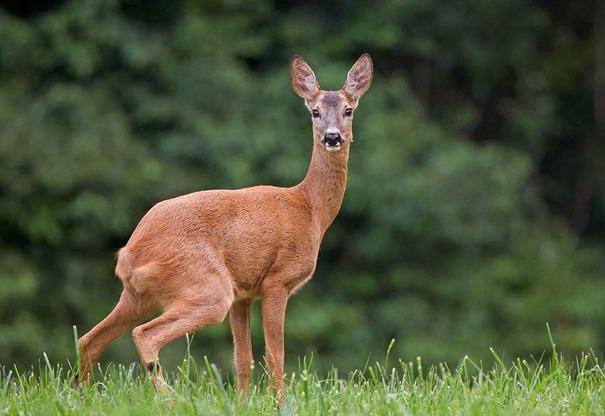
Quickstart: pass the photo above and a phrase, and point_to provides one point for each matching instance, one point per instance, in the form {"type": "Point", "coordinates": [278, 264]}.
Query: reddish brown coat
{"type": "Point", "coordinates": [203, 255]}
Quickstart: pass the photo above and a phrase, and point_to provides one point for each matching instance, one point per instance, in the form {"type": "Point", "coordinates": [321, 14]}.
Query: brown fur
{"type": "Point", "coordinates": [203, 255]}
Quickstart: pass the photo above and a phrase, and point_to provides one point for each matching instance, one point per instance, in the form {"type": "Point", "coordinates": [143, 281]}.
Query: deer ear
{"type": "Point", "coordinates": [303, 79]}
{"type": "Point", "coordinates": [359, 77]}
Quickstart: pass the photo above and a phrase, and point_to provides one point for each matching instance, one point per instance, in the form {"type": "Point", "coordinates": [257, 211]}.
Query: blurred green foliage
{"type": "Point", "coordinates": [473, 213]}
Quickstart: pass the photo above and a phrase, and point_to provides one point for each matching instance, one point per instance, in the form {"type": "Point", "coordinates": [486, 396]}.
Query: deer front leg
{"type": "Point", "coordinates": [274, 310]}
{"type": "Point", "coordinates": [239, 317]}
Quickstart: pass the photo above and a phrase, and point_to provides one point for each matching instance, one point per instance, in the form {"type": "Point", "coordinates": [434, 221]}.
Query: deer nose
{"type": "Point", "coordinates": [333, 139]}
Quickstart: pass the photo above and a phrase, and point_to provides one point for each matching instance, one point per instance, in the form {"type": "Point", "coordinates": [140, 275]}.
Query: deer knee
{"type": "Point", "coordinates": [138, 335]}
{"type": "Point", "coordinates": [144, 345]}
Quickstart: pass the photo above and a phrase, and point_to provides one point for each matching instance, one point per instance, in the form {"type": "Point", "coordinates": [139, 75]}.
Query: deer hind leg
{"type": "Point", "coordinates": [129, 311]}
{"type": "Point", "coordinates": [204, 303]}
{"type": "Point", "coordinates": [239, 317]}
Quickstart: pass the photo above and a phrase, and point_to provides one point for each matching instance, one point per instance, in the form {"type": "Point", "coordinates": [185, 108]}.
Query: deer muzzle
{"type": "Point", "coordinates": [332, 141]}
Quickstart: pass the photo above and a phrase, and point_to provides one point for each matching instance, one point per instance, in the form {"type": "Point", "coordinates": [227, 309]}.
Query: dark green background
{"type": "Point", "coordinates": [475, 209]}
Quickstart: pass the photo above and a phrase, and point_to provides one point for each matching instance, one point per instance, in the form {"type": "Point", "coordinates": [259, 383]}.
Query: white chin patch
{"type": "Point", "coordinates": [335, 148]}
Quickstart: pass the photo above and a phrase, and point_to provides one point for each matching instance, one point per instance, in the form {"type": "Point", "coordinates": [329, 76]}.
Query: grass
{"type": "Point", "coordinates": [553, 387]}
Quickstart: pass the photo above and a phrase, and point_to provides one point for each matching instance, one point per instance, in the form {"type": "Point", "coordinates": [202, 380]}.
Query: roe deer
{"type": "Point", "coordinates": [201, 255]}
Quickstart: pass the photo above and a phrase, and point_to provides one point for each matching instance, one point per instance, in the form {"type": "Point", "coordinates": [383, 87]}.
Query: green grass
{"type": "Point", "coordinates": [554, 387]}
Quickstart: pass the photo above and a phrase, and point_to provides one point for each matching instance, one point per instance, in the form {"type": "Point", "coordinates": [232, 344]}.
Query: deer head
{"type": "Point", "coordinates": [332, 111]}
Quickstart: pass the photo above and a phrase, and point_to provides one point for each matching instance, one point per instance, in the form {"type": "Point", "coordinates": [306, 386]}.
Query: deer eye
{"type": "Point", "coordinates": [315, 113]}
{"type": "Point", "coordinates": [348, 112]}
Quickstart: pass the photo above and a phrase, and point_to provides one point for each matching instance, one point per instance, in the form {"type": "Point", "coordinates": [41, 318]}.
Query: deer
{"type": "Point", "coordinates": [201, 256]}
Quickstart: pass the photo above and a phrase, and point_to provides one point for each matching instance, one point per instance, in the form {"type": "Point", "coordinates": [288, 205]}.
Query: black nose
{"type": "Point", "coordinates": [332, 139]}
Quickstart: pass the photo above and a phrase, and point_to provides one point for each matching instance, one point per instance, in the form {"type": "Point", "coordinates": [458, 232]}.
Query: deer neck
{"type": "Point", "coordinates": [325, 183]}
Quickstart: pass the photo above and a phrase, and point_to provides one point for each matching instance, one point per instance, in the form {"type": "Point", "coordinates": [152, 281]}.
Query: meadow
{"type": "Point", "coordinates": [474, 210]}
{"type": "Point", "coordinates": [545, 386]}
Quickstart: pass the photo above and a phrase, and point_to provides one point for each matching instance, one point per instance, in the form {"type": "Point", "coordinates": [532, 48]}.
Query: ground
{"type": "Point", "coordinates": [551, 387]}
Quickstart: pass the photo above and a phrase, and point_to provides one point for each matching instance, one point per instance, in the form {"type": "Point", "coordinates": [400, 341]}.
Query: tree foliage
{"type": "Point", "coordinates": [475, 208]}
